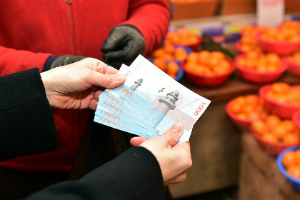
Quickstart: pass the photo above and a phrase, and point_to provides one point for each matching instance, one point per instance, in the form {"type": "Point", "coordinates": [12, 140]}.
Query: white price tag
{"type": "Point", "coordinates": [270, 12]}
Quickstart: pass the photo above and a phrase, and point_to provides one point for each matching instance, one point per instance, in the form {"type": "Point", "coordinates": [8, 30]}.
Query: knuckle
{"type": "Point", "coordinates": [188, 163]}
{"type": "Point", "coordinates": [109, 79]}
{"type": "Point", "coordinates": [171, 138]}
{"type": "Point", "coordinates": [183, 177]}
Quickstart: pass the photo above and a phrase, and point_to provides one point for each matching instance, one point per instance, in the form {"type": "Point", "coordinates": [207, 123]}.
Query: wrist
{"type": "Point", "coordinates": [46, 79]}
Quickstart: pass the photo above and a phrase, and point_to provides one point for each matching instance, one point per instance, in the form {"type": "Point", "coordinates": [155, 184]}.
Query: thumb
{"type": "Point", "coordinates": [105, 80]}
{"type": "Point", "coordinates": [173, 134]}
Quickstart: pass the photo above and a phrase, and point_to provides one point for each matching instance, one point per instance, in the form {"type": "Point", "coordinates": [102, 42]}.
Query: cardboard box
{"type": "Point", "coordinates": [292, 6]}
{"type": "Point", "coordinates": [233, 7]}
{"type": "Point", "coordinates": [190, 10]}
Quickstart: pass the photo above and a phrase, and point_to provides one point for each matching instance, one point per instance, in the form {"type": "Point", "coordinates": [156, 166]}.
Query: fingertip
{"type": "Point", "coordinates": [177, 127]}
{"type": "Point", "coordinates": [120, 77]}
{"type": "Point", "coordinates": [137, 141]}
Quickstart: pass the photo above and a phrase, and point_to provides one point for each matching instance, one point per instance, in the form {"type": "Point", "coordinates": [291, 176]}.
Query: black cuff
{"type": "Point", "coordinates": [132, 27]}
{"type": "Point", "coordinates": [133, 175]}
{"type": "Point", "coordinates": [27, 124]}
{"type": "Point", "coordinates": [50, 60]}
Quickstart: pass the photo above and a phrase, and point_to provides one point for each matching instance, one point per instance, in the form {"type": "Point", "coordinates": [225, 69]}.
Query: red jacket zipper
{"type": "Point", "coordinates": [72, 25]}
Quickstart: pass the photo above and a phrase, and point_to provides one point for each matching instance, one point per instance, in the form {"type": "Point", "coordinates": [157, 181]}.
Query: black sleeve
{"type": "Point", "coordinates": [134, 175]}
{"type": "Point", "coordinates": [26, 122]}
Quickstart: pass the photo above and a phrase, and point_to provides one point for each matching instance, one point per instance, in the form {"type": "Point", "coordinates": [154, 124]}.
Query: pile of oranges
{"type": "Point", "coordinates": [275, 130]}
{"type": "Point", "coordinates": [168, 53]}
{"type": "Point", "coordinates": [283, 93]}
{"type": "Point", "coordinates": [291, 25]}
{"type": "Point", "coordinates": [207, 63]}
{"type": "Point", "coordinates": [182, 37]}
{"type": "Point", "coordinates": [260, 62]}
{"type": "Point", "coordinates": [251, 30]}
{"type": "Point", "coordinates": [295, 57]}
{"type": "Point", "coordinates": [248, 107]}
{"type": "Point", "coordinates": [249, 44]}
{"type": "Point", "coordinates": [291, 162]}
{"type": "Point", "coordinates": [281, 35]}
{"type": "Point", "coordinates": [171, 68]}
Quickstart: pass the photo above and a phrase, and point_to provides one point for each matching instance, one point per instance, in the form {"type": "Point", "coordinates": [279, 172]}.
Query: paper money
{"type": "Point", "coordinates": [152, 101]}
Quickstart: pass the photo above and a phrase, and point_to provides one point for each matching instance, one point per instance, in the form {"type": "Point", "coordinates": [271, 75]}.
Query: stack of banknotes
{"type": "Point", "coordinates": [149, 102]}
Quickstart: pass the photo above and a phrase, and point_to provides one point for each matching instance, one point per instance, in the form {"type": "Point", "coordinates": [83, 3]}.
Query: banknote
{"type": "Point", "coordinates": [161, 98]}
{"type": "Point", "coordinates": [119, 106]}
{"type": "Point", "coordinates": [119, 126]}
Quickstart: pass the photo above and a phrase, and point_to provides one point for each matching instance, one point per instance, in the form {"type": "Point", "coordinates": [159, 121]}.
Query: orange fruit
{"type": "Point", "coordinates": [190, 67]}
{"type": "Point", "coordinates": [289, 125]}
{"type": "Point", "coordinates": [200, 70]}
{"type": "Point", "coordinates": [251, 100]}
{"type": "Point", "coordinates": [248, 108]}
{"type": "Point", "coordinates": [242, 116]}
{"type": "Point", "coordinates": [225, 65]}
{"type": "Point", "coordinates": [235, 107]}
{"type": "Point", "coordinates": [203, 57]}
{"type": "Point", "coordinates": [272, 121]}
{"type": "Point", "coordinates": [289, 159]}
{"type": "Point", "coordinates": [160, 63]}
{"type": "Point", "coordinates": [167, 57]}
{"type": "Point", "coordinates": [169, 48]}
{"type": "Point", "coordinates": [259, 127]}
{"type": "Point", "coordinates": [180, 54]}
{"type": "Point", "coordinates": [294, 171]}
{"type": "Point", "coordinates": [172, 68]}
{"type": "Point", "coordinates": [219, 70]}
{"type": "Point", "coordinates": [253, 116]}
{"type": "Point", "coordinates": [268, 137]}
{"type": "Point", "coordinates": [298, 156]}
{"type": "Point", "coordinates": [273, 58]}
{"type": "Point", "coordinates": [217, 55]}
{"type": "Point", "coordinates": [158, 53]}
{"type": "Point", "coordinates": [279, 131]}
{"type": "Point", "coordinates": [172, 75]}
{"type": "Point", "coordinates": [280, 87]}
{"type": "Point", "coordinates": [292, 139]}
{"type": "Point", "coordinates": [192, 58]}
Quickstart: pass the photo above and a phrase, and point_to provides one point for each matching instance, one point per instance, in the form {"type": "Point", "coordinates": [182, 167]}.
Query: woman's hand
{"type": "Point", "coordinates": [174, 159]}
{"type": "Point", "coordinates": [78, 85]}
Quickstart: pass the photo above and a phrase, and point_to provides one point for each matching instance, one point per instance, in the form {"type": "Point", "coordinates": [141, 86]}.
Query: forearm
{"type": "Point", "coordinates": [151, 18]}
{"type": "Point", "coordinates": [133, 175]}
{"type": "Point", "coordinates": [27, 124]}
{"type": "Point", "coordinates": [12, 60]}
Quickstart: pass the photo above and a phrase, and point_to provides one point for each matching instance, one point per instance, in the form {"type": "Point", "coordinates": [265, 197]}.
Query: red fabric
{"type": "Point", "coordinates": [31, 31]}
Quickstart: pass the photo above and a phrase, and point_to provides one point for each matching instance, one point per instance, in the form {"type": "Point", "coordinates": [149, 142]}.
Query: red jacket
{"type": "Point", "coordinates": [31, 31]}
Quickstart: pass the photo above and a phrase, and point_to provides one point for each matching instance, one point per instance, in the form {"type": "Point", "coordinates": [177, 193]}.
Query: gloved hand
{"type": "Point", "coordinates": [123, 45]}
{"type": "Point", "coordinates": [65, 60]}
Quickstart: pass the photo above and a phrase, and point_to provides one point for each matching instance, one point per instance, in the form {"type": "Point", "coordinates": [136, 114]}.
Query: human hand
{"type": "Point", "coordinates": [174, 159]}
{"type": "Point", "coordinates": [123, 45]}
{"type": "Point", "coordinates": [78, 85]}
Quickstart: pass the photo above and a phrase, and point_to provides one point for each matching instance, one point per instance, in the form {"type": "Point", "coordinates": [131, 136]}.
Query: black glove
{"type": "Point", "coordinates": [123, 45]}
{"type": "Point", "coordinates": [56, 61]}
{"type": "Point", "coordinates": [65, 60]}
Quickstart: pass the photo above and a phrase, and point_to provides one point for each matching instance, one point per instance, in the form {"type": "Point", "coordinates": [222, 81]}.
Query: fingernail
{"type": "Point", "coordinates": [177, 128]}
{"type": "Point", "coordinates": [120, 77]}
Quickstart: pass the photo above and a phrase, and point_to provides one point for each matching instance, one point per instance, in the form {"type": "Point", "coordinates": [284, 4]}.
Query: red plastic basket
{"type": "Point", "coordinates": [270, 147]}
{"type": "Point", "coordinates": [281, 48]}
{"type": "Point", "coordinates": [260, 77]}
{"type": "Point", "coordinates": [293, 67]}
{"type": "Point", "coordinates": [281, 110]}
{"type": "Point", "coordinates": [209, 81]}
{"type": "Point", "coordinates": [243, 123]}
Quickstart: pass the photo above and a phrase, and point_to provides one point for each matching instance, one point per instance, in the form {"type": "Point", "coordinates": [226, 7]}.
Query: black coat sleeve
{"type": "Point", "coordinates": [26, 122]}
{"type": "Point", "coordinates": [134, 175]}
